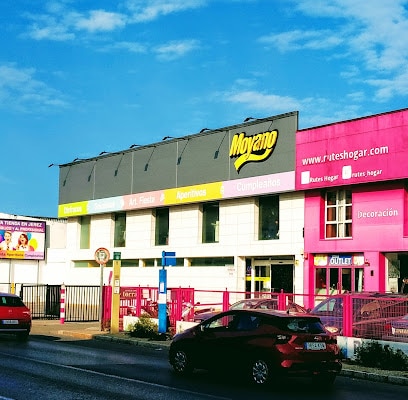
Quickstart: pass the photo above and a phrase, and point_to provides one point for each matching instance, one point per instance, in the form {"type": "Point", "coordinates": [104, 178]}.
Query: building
{"type": "Point", "coordinates": [354, 176]}
{"type": "Point", "coordinates": [257, 206]}
{"type": "Point", "coordinates": [223, 200]}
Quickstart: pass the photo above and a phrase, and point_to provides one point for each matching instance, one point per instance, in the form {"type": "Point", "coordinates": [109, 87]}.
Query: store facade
{"type": "Point", "coordinates": [354, 176]}
{"type": "Point", "coordinates": [223, 200]}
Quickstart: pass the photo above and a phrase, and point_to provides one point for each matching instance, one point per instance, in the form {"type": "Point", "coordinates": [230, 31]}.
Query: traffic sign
{"type": "Point", "coordinates": [102, 256]}
{"type": "Point", "coordinates": [168, 258]}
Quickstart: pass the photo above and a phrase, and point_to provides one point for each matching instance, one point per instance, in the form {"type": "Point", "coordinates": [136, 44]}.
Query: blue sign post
{"type": "Point", "coordinates": [168, 258]}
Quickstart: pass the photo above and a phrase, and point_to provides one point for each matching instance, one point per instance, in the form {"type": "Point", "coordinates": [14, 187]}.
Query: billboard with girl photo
{"type": "Point", "coordinates": [22, 239]}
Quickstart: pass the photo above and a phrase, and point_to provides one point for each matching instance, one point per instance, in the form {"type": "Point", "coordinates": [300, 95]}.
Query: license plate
{"type": "Point", "coordinates": [10, 321]}
{"type": "Point", "coordinates": [401, 331]}
{"type": "Point", "coordinates": [315, 346]}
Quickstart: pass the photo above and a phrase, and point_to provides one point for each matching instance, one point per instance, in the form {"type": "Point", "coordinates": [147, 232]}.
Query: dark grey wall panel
{"type": "Point", "coordinates": [203, 159]}
{"type": "Point", "coordinates": [154, 168]}
{"type": "Point", "coordinates": [112, 175]}
{"type": "Point", "coordinates": [76, 182]}
{"type": "Point", "coordinates": [185, 161]}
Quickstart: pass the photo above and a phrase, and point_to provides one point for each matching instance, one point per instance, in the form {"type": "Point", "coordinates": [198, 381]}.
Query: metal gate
{"type": "Point", "coordinates": [81, 302]}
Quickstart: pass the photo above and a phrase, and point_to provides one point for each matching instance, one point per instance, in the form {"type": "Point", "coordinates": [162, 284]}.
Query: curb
{"type": "Point", "coordinates": [375, 377]}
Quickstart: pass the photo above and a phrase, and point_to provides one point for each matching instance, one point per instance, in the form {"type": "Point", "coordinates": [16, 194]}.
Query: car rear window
{"type": "Point", "coordinates": [11, 301]}
{"type": "Point", "coordinates": [303, 325]}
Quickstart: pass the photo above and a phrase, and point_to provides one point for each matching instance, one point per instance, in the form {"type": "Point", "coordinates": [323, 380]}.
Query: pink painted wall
{"type": "Point", "coordinates": [378, 227]}
{"type": "Point", "coordinates": [369, 149]}
{"type": "Point", "coordinates": [378, 221]}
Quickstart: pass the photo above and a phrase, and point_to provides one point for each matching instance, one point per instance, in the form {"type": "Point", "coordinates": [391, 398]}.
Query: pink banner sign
{"type": "Point", "coordinates": [365, 150]}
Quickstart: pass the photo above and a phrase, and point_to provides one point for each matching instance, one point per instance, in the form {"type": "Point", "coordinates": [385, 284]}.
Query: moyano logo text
{"type": "Point", "coordinates": [252, 148]}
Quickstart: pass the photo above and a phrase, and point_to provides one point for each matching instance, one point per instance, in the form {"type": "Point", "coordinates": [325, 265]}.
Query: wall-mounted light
{"type": "Point", "coordinates": [168, 137]}
{"type": "Point", "coordinates": [204, 129]}
{"type": "Point", "coordinates": [134, 145]}
{"type": "Point", "coordinates": [117, 168]}
{"type": "Point", "coordinates": [147, 163]}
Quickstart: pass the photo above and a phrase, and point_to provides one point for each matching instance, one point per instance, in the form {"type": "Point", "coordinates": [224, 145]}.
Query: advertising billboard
{"type": "Point", "coordinates": [22, 239]}
{"type": "Point", "coordinates": [365, 150]}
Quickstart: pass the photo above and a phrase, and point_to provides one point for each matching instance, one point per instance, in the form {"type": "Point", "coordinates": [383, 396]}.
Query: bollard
{"type": "Point", "coordinates": [62, 304]}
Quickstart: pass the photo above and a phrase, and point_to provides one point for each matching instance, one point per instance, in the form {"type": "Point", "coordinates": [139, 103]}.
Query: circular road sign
{"type": "Point", "coordinates": [102, 255]}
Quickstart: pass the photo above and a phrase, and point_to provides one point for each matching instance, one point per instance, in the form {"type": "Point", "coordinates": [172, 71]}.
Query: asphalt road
{"type": "Point", "coordinates": [51, 368]}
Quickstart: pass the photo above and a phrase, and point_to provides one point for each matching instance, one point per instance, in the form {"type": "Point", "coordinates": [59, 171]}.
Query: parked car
{"type": "Point", "coordinates": [254, 303]}
{"type": "Point", "coordinates": [399, 327]}
{"type": "Point", "coordinates": [15, 317]}
{"type": "Point", "coordinates": [264, 344]}
{"type": "Point", "coordinates": [372, 313]}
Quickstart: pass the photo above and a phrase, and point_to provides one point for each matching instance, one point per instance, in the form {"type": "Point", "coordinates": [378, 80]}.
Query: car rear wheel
{"type": "Point", "coordinates": [181, 362]}
{"type": "Point", "coordinates": [259, 371]}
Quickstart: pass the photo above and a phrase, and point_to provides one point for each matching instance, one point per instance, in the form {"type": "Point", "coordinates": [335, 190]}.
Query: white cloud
{"type": "Point", "coordinates": [262, 102]}
{"type": "Point", "coordinates": [372, 34]}
{"type": "Point", "coordinates": [298, 39]}
{"type": "Point", "coordinates": [143, 11]}
{"type": "Point", "coordinates": [175, 49]}
{"type": "Point", "coordinates": [100, 20]}
{"type": "Point", "coordinates": [19, 90]}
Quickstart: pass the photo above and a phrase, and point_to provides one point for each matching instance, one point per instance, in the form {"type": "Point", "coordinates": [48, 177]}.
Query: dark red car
{"type": "Point", "coordinates": [15, 317]}
{"type": "Point", "coordinates": [263, 344]}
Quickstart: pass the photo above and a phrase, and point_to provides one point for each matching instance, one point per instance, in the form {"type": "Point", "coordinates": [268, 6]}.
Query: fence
{"type": "Point", "coordinates": [364, 315]}
{"type": "Point", "coordinates": [81, 302]}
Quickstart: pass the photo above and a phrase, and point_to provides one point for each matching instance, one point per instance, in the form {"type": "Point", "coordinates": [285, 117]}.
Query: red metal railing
{"type": "Point", "coordinates": [360, 315]}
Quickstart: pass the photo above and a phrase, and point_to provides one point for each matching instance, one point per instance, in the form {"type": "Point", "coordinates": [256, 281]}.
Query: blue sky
{"type": "Point", "coordinates": [81, 77]}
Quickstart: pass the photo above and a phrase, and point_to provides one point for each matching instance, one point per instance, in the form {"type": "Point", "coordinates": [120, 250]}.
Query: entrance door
{"type": "Point", "coordinates": [282, 277]}
{"type": "Point", "coordinates": [270, 276]}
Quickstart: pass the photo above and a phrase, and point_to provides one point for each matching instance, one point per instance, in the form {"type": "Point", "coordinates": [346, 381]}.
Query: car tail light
{"type": "Point", "coordinates": [282, 339]}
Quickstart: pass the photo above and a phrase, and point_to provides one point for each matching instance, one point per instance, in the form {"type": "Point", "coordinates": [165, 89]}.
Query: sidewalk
{"type": "Point", "coordinates": [92, 330]}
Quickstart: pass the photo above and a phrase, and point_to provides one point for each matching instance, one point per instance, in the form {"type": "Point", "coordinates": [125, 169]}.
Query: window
{"type": "Point", "coordinates": [211, 261]}
{"type": "Point", "coordinates": [268, 217]}
{"type": "Point", "coordinates": [211, 216]}
{"type": "Point", "coordinates": [332, 280]}
{"type": "Point", "coordinates": [162, 227]}
{"type": "Point", "coordinates": [338, 221]}
{"type": "Point", "coordinates": [85, 233]}
{"type": "Point", "coordinates": [120, 230]}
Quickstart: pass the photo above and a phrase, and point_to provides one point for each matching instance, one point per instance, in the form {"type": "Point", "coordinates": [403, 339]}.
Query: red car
{"type": "Point", "coordinates": [263, 344]}
{"type": "Point", "coordinates": [15, 317]}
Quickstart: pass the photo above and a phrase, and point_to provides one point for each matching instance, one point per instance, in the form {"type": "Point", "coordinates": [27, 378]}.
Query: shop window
{"type": "Point", "coordinates": [211, 217]}
{"type": "Point", "coordinates": [162, 227]}
{"type": "Point", "coordinates": [211, 261]}
{"type": "Point", "coordinates": [268, 218]}
{"type": "Point", "coordinates": [120, 230]}
{"type": "Point", "coordinates": [338, 280]}
{"type": "Point", "coordinates": [338, 221]}
{"type": "Point", "coordinates": [85, 232]}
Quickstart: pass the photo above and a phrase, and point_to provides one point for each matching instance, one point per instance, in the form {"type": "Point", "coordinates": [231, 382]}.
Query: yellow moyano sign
{"type": "Point", "coordinates": [252, 148]}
